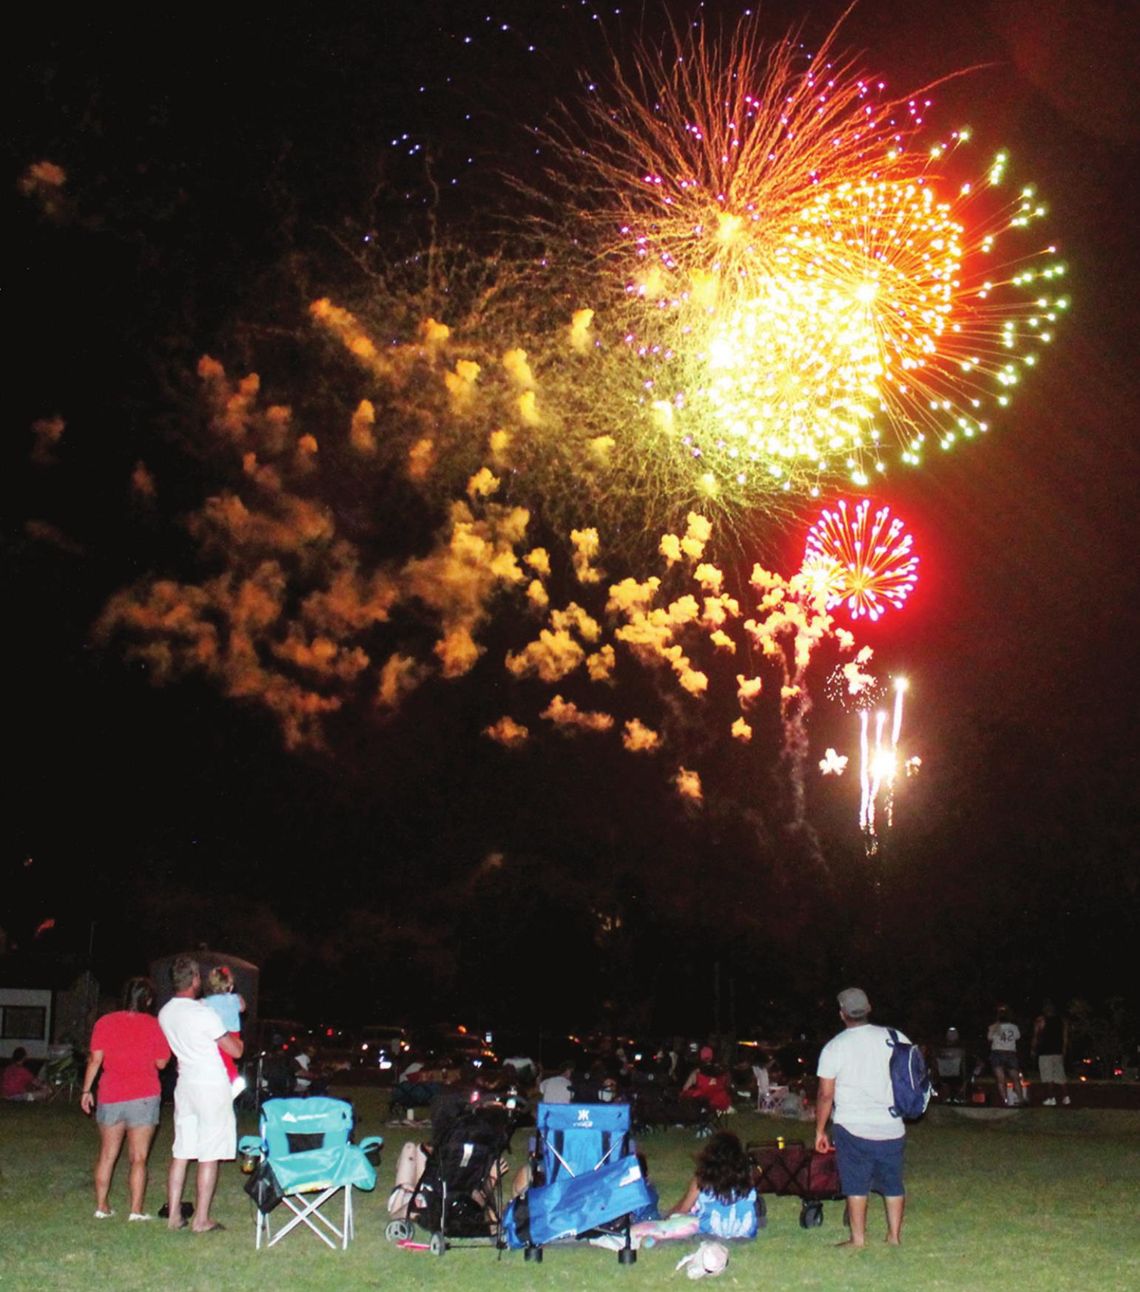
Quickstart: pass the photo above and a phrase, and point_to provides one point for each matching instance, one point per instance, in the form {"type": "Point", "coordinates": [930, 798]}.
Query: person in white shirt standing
{"type": "Point", "coordinates": [205, 1129]}
{"type": "Point", "coordinates": [855, 1080]}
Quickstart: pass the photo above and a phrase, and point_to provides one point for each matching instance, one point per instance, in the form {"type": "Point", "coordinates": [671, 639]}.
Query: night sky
{"type": "Point", "coordinates": [223, 169]}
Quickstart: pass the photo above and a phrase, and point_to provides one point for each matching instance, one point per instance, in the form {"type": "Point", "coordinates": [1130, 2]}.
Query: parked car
{"type": "Point", "coordinates": [454, 1043]}
{"type": "Point", "coordinates": [380, 1047]}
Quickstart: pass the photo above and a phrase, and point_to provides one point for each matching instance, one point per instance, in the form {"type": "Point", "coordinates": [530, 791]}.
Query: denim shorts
{"type": "Point", "coordinates": [1005, 1059]}
{"type": "Point", "coordinates": [869, 1165]}
{"type": "Point", "coordinates": [129, 1112]}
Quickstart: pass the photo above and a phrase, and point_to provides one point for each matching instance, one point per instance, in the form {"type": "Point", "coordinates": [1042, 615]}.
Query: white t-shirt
{"type": "Point", "coordinates": [192, 1030]}
{"type": "Point", "coordinates": [1004, 1037]}
{"type": "Point", "coordinates": [555, 1090]}
{"type": "Point", "coordinates": [859, 1059]}
{"type": "Point", "coordinates": [301, 1064]}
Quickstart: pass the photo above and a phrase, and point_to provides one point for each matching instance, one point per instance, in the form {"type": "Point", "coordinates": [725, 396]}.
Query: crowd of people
{"type": "Point", "coordinates": [200, 1027]}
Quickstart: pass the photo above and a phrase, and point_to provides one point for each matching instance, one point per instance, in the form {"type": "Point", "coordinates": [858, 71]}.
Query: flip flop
{"type": "Point", "coordinates": [216, 1227]}
{"type": "Point", "coordinates": [182, 1224]}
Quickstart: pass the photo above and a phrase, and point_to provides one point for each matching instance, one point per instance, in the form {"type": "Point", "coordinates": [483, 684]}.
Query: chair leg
{"type": "Point", "coordinates": [307, 1211]}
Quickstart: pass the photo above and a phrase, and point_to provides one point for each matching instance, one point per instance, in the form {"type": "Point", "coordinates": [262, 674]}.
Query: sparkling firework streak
{"type": "Point", "coordinates": [849, 686]}
{"type": "Point", "coordinates": [878, 766]}
{"type": "Point", "coordinates": [862, 561]}
{"type": "Point", "coordinates": [808, 288]}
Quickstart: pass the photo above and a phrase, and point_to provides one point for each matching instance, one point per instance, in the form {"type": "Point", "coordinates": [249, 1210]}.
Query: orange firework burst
{"type": "Point", "coordinates": [863, 561]}
{"type": "Point", "coordinates": [806, 289]}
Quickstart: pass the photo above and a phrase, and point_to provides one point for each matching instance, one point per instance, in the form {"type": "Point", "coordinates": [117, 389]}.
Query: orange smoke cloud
{"type": "Point", "coordinates": [638, 738]}
{"type": "Point", "coordinates": [46, 435]}
{"type": "Point", "coordinates": [688, 785]}
{"type": "Point", "coordinates": [507, 732]}
{"type": "Point", "coordinates": [399, 677]}
{"type": "Point", "coordinates": [360, 433]}
{"type": "Point", "coordinates": [566, 715]}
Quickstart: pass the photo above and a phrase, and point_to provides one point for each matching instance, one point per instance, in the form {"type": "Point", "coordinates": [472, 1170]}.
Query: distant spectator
{"type": "Point", "coordinates": [950, 1065]}
{"type": "Point", "coordinates": [307, 1080]}
{"type": "Point", "coordinates": [556, 1089]}
{"type": "Point", "coordinates": [1003, 1035]}
{"type": "Point", "coordinates": [128, 1050]}
{"type": "Point", "coordinates": [19, 1083]}
{"type": "Point", "coordinates": [1050, 1044]}
{"type": "Point", "coordinates": [708, 1081]}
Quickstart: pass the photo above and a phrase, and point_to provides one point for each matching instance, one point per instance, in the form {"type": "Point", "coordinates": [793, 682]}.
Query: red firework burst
{"type": "Point", "coordinates": [863, 559]}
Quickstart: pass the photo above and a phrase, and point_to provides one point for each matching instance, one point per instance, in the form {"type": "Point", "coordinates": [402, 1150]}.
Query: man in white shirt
{"type": "Point", "coordinates": [855, 1079]}
{"type": "Point", "coordinates": [556, 1089]}
{"type": "Point", "coordinates": [205, 1129]}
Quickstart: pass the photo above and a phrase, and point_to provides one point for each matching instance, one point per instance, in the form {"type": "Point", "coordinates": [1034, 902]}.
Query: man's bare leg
{"type": "Point", "coordinates": [175, 1183]}
{"type": "Point", "coordinates": [895, 1208]}
{"type": "Point", "coordinates": [857, 1222]}
{"type": "Point", "coordinates": [205, 1184]}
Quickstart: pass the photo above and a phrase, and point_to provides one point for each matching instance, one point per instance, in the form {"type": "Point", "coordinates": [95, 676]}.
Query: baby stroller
{"type": "Point", "coordinates": [458, 1199]}
{"type": "Point", "coordinates": [585, 1181]}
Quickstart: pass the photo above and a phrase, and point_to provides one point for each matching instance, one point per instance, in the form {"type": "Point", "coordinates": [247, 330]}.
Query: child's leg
{"type": "Point", "coordinates": [231, 1066]}
{"type": "Point", "coordinates": [669, 1227]}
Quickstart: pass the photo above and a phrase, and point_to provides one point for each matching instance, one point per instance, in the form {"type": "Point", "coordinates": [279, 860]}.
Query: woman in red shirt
{"type": "Point", "coordinates": [129, 1047]}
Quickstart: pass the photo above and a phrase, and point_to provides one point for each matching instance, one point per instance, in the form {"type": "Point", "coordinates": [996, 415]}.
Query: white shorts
{"type": "Point", "coordinates": [205, 1128]}
{"type": "Point", "coordinates": [1052, 1067]}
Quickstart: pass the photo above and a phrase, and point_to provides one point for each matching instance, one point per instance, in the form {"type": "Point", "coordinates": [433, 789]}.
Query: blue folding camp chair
{"type": "Point", "coordinates": [585, 1181]}
{"type": "Point", "coordinates": [305, 1147]}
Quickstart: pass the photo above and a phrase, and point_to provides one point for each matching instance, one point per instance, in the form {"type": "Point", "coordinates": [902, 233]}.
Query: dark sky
{"type": "Point", "coordinates": [217, 166]}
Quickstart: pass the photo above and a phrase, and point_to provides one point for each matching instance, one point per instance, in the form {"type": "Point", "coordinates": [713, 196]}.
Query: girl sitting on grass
{"type": "Point", "coordinates": [720, 1200]}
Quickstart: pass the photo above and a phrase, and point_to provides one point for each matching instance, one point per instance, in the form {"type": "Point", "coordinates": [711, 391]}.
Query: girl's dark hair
{"type": "Point", "coordinates": [723, 1167]}
{"type": "Point", "coordinates": [138, 995]}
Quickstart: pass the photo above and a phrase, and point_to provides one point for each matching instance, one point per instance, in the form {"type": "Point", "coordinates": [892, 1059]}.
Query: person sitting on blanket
{"type": "Point", "coordinates": [720, 1200]}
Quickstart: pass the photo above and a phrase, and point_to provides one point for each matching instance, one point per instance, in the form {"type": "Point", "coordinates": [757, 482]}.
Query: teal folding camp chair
{"type": "Point", "coordinates": [306, 1159]}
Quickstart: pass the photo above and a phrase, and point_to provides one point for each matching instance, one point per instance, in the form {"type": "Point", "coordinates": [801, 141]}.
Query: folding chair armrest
{"type": "Point", "coordinates": [251, 1146]}
{"type": "Point", "coordinates": [371, 1141]}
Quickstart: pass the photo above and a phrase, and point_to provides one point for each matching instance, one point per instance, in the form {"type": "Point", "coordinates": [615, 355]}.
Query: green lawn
{"type": "Point", "coordinates": [1048, 1198]}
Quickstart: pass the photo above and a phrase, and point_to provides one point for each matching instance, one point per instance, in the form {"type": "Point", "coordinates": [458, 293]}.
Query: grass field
{"type": "Point", "coordinates": [1049, 1198]}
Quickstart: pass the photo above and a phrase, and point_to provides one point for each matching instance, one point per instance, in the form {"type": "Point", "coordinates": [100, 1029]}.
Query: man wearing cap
{"type": "Point", "coordinates": [855, 1080]}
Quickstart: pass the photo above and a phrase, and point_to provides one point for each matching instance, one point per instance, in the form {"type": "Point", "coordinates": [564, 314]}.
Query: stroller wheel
{"type": "Point", "coordinates": [436, 1245]}
{"type": "Point", "coordinates": [761, 1212]}
{"type": "Point", "coordinates": [533, 1254]}
{"type": "Point", "coordinates": [627, 1256]}
{"type": "Point", "coordinates": [398, 1231]}
{"type": "Point", "coordinates": [811, 1215]}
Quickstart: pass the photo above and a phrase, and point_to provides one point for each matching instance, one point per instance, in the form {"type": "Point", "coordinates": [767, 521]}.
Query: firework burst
{"type": "Point", "coordinates": [862, 561]}
{"type": "Point", "coordinates": [806, 291]}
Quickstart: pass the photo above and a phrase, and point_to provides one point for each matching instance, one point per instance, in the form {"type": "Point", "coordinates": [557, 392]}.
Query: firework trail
{"type": "Point", "coordinates": [878, 767]}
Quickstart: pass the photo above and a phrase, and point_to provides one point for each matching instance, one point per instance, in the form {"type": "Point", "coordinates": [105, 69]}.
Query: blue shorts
{"type": "Point", "coordinates": [869, 1165]}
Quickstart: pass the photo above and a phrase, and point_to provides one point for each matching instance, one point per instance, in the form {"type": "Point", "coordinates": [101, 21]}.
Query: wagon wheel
{"type": "Point", "coordinates": [811, 1215]}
